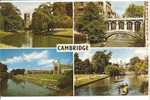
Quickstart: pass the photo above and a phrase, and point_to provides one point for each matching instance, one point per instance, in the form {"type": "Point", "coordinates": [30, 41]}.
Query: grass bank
{"type": "Point", "coordinates": [84, 79]}
{"type": "Point", "coordinates": [2, 35]}
{"type": "Point", "coordinates": [46, 80]}
{"type": "Point", "coordinates": [64, 32]}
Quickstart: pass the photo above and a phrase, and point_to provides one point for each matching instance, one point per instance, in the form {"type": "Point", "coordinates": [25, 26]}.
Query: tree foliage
{"type": "Point", "coordinates": [114, 70]}
{"type": "Point", "coordinates": [138, 65]}
{"type": "Point", "coordinates": [12, 20]}
{"type": "Point", "coordinates": [100, 60]}
{"type": "Point", "coordinates": [134, 11]}
{"type": "Point", "coordinates": [47, 17]}
{"type": "Point", "coordinates": [66, 81]}
{"type": "Point", "coordinates": [3, 71]}
{"type": "Point", "coordinates": [17, 71]}
{"type": "Point", "coordinates": [91, 22]}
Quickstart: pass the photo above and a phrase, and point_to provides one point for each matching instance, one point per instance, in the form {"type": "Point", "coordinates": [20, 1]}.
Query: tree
{"type": "Point", "coordinates": [91, 22]}
{"type": "Point", "coordinates": [87, 66]}
{"type": "Point", "coordinates": [114, 70]}
{"type": "Point", "coordinates": [42, 19]}
{"type": "Point", "coordinates": [82, 67]}
{"type": "Point", "coordinates": [3, 71]}
{"type": "Point", "coordinates": [139, 66]}
{"type": "Point", "coordinates": [17, 71]}
{"type": "Point", "coordinates": [1, 22]}
{"type": "Point", "coordinates": [66, 81]}
{"type": "Point", "coordinates": [78, 63]}
{"type": "Point", "coordinates": [47, 17]}
{"type": "Point", "coordinates": [100, 60]}
{"type": "Point", "coordinates": [12, 18]}
{"type": "Point", "coordinates": [134, 11]}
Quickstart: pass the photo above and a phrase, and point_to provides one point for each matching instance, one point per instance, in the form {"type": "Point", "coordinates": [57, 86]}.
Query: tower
{"type": "Point", "coordinates": [27, 20]}
{"type": "Point", "coordinates": [57, 68]}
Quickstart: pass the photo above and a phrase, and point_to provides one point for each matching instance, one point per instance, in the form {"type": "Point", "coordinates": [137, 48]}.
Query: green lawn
{"type": "Point", "coordinates": [40, 79]}
{"type": "Point", "coordinates": [3, 34]}
{"type": "Point", "coordinates": [64, 32]}
{"type": "Point", "coordinates": [83, 79]}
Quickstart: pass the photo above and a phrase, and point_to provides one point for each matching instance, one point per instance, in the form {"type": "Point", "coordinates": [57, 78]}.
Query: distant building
{"type": "Point", "coordinates": [27, 19]}
{"type": "Point", "coordinates": [105, 8]}
{"type": "Point", "coordinates": [56, 68]}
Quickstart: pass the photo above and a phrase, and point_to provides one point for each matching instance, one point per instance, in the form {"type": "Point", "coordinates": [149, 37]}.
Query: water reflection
{"type": "Point", "coordinates": [11, 87]}
{"type": "Point", "coordinates": [3, 86]}
{"type": "Point", "coordinates": [109, 86]}
{"type": "Point", "coordinates": [31, 40]}
{"type": "Point", "coordinates": [120, 40]}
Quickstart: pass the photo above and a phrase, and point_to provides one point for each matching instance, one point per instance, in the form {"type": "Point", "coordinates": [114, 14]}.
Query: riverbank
{"type": "Point", "coordinates": [85, 79]}
{"type": "Point", "coordinates": [63, 32]}
{"type": "Point", "coordinates": [45, 80]}
{"type": "Point", "coordinates": [29, 39]}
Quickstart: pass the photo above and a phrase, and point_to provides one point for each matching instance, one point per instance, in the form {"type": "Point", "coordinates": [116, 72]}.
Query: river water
{"type": "Point", "coordinates": [109, 86]}
{"type": "Point", "coordinates": [11, 87]}
{"type": "Point", "coordinates": [31, 40]}
{"type": "Point", "coordinates": [120, 40]}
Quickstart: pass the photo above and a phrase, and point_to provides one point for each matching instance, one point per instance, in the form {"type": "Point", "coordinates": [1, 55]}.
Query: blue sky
{"type": "Point", "coordinates": [120, 6]}
{"type": "Point", "coordinates": [33, 58]}
{"type": "Point", "coordinates": [118, 54]}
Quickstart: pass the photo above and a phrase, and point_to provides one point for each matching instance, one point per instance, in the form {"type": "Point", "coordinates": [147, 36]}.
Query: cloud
{"type": "Point", "coordinates": [120, 60]}
{"type": "Point", "coordinates": [27, 57]}
{"type": "Point", "coordinates": [35, 60]}
{"type": "Point", "coordinates": [140, 52]}
{"type": "Point", "coordinates": [46, 61]}
{"type": "Point", "coordinates": [35, 55]}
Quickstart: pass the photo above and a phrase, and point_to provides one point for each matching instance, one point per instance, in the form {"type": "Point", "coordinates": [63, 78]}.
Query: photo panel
{"type": "Point", "coordinates": [111, 23]}
{"type": "Point", "coordinates": [111, 72]}
{"type": "Point", "coordinates": [35, 72]}
{"type": "Point", "coordinates": [35, 24]}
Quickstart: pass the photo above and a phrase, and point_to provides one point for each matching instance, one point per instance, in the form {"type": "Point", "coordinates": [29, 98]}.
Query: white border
{"type": "Point", "coordinates": [84, 97]}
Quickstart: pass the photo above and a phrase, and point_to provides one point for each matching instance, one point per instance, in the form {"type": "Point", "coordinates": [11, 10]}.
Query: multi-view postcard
{"type": "Point", "coordinates": [35, 72]}
{"type": "Point", "coordinates": [74, 48]}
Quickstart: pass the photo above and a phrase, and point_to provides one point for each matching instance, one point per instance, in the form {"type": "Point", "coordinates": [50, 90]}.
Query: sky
{"type": "Point", "coordinates": [120, 6]}
{"type": "Point", "coordinates": [33, 59]}
{"type": "Point", "coordinates": [26, 7]}
{"type": "Point", "coordinates": [123, 54]}
{"type": "Point", "coordinates": [117, 6]}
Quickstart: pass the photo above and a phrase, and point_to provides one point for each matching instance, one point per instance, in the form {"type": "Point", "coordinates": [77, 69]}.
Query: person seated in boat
{"type": "Point", "coordinates": [123, 89]}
